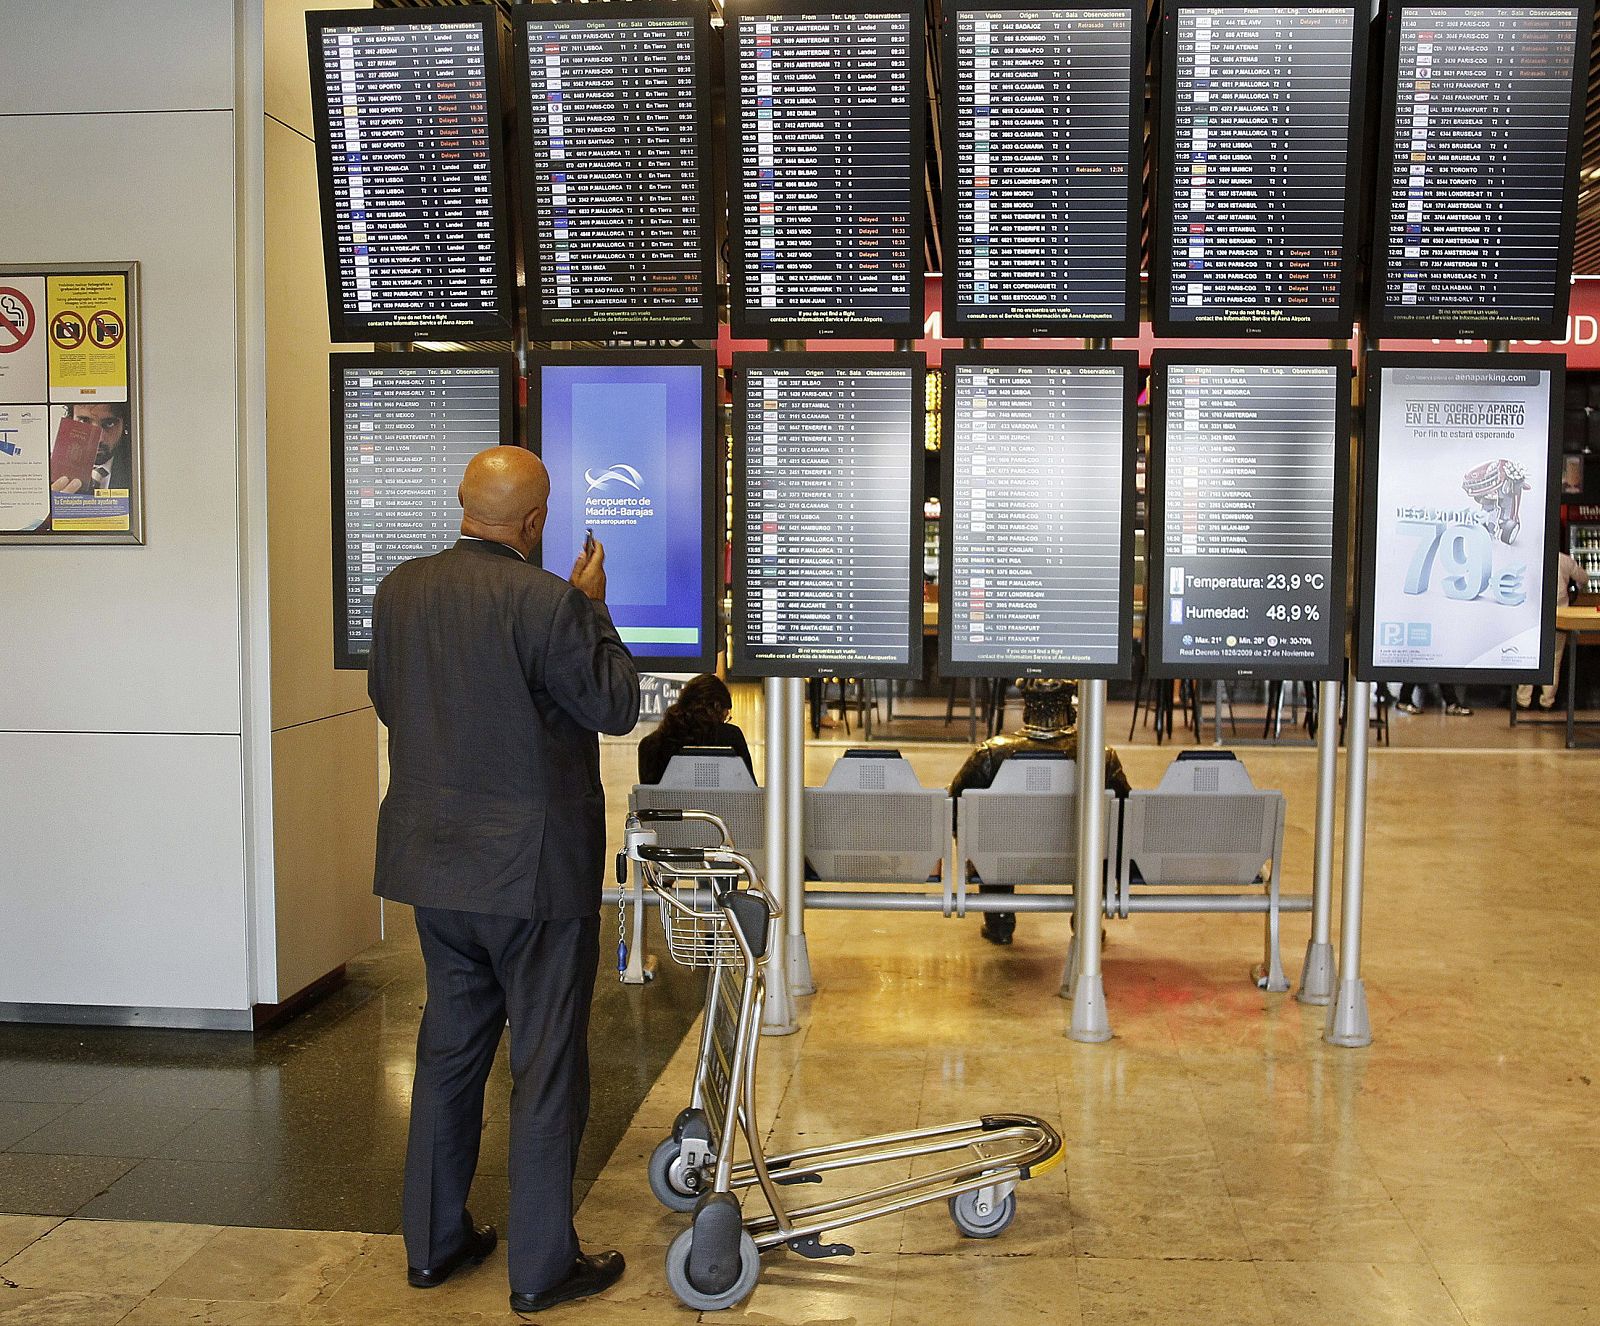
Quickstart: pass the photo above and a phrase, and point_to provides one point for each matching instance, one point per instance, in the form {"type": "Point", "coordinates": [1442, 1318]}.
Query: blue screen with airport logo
{"type": "Point", "coordinates": [626, 441]}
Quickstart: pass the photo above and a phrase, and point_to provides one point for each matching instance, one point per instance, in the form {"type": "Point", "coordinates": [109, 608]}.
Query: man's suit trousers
{"type": "Point", "coordinates": [483, 971]}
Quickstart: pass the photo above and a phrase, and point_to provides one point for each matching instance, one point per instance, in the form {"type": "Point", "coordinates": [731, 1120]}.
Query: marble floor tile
{"type": "Point", "coordinates": [956, 1290]}
{"type": "Point", "coordinates": [56, 1185]}
{"type": "Point", "coordinates": [63, 1307]}
{"type": "Point", "coordinates": [1121, 1292]}
{"type": "Point", "coordinates": [1302, 1292]}
{"type": "Point", "coordinates": [219, 1312]}
{"type": "Point", "coordinates": [1510, 1295]}
{"type": "Point", "coordinates": [109, 1256]}
{"type": "Point", "coordinates": [285, 1266]}
{"type": "Point", "coordinates": [20, 1119]}
{"type": "Point", "coordinates": [793, 1291]}
{"type": "Point", "coordinates": [1144, 1208]}
{"type": "Point", "coordinates": [18, 1232]}
{"type": "Point", "coordinates": [1495, 1228]}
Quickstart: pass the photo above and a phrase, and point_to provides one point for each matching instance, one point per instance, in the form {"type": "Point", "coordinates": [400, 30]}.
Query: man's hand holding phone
{"type": "Point", "coordinates": [589, 571]}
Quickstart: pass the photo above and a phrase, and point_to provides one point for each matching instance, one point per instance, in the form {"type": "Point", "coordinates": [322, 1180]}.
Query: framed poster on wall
{"type": "Point", "coordinates": [1459, 526]}
{"type": "Point", "coordinates": [70, 468]}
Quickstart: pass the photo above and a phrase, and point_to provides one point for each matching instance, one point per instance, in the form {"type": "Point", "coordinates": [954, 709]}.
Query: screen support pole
{"type": "Point", "coordinates": [785, 835]}
{"type": "Point", "coordinates": [967, 343]}
{"type": "Point", "coordinates": [1348, 1024]}
{"type": "Point", "coordinates": [1316, 975]}
{"type": "Point", "coordinates": [794, 715]}
{"type": "Point", "coordinates": [1089, 1019]}
{"type": "Point", "coordinates": [1317, 972]}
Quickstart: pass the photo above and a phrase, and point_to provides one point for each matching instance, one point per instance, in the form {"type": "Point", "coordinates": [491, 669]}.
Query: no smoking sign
{"type": "Point", "coordinates": [17, 321]}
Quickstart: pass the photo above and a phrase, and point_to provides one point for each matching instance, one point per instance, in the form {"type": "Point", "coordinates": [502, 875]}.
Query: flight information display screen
{"type": "Point", "coordinates": [1043, 128]}
{"type": "Point", "coordinates": [630, 443]}
{"type": "Point", "coordinates": [825, 129]}
{"type": "Point", "coordinates": [406, 108]}
{"type": "Point", "coordinates": [404, 428]}
{"type": "Point", "coordinates": [1037, 504]}
{"type": "Point", "coordinates": [1478, 163]}
{"type": "Point", "coordinates": [1460, 536]}
{"type": "Point", "coordinates": [616, 168]}
{"type": "Point", "coordinates": [1260, 144]}
{"type": "Point", "coordinates": [827, 515]}
{"type": "Point", "coordinates": [1248, 485]}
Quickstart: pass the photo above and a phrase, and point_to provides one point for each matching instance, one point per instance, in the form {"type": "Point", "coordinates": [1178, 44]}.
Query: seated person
{"type": "Point", "coordinates": [1048, 723]}
{"type": "Point", "coordinates": [698, 717]}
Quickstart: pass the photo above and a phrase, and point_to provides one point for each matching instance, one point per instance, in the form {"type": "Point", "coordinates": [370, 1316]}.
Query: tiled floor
{"type": "Point", "coordinates": [1225, 1166]}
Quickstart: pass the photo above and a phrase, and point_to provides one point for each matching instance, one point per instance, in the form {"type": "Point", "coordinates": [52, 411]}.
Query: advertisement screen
{"type": "Point", "coordinates": [1459, 529]}
{"type": "Point", "coordinates": [627, 439]}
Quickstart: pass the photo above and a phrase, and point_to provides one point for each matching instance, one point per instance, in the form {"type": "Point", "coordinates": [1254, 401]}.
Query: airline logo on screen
{"type": "Point", "coordinates": [623, 474]}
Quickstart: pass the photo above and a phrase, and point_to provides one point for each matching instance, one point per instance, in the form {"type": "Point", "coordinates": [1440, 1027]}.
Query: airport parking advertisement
{"type": "Point", "coordinates": [1459, 532]}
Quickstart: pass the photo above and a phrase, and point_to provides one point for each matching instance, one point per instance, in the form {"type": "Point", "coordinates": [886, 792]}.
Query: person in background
{"type": "Point", "coordinates": [698, 717]}
{"type": "Point", "coordinates": [493, 678]}
{"type": "Point", "coordinates": [1414, 699]}
{"type": "Point", "coordinates": [1568, 574]}
{"type": "Point", "coordinates": [1048, 724]}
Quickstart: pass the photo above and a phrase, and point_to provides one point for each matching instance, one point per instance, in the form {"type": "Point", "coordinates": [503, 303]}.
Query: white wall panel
{"type": "Point", "coordinates": [115, 55]}
{"type": "Point", "coordinates": [122, 638]}
{"type": "Point", "coordinates": [122, 871]}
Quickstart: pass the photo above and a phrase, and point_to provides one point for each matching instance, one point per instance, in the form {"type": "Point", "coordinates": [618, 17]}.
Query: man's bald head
{"type": "Point", "coordinates": [503, 497]}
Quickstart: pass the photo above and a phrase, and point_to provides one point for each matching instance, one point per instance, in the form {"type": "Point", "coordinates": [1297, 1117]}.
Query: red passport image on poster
{"type": "Point", "coordinates": [73, 455]}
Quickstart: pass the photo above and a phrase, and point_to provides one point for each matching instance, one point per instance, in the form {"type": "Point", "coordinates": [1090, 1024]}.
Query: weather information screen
{"type": "Point", "coordinates": [1247, 515]}
{"type": "Point", "coordinates": [1036, 502]}
{"type": "Point", "coordinates": [628, 440]}
{"type": "Point", "coordinates": [404, 428]}
{"type": "Point", "coordinates": [617, 168]}
{"type": "Point", "coordinates": [825, 169]}
{"type": "Point", "coordinates": [1260, 118]}
{"type": "Point", "coordinates": [1477, 171]}
{"type": "Point", "coordinates": [1044, 129]}
{"type": "Point", "coordinates": [413, 199]}
{"type": "Point", "coordinates": [827, 510]}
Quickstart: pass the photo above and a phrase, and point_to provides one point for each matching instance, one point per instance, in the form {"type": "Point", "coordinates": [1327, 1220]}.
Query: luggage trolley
{"type": "Point", "coordinates": [717, 915]}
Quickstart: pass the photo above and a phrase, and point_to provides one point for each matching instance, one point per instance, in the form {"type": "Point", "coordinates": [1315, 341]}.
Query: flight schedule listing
{"type": "Point", "coordinates": [413, 184]}
{"type": "Point", "coordinates": [1246, 575]}
{"type": "Point", "coordinates": [1036, 515]}
{"type": "Point", "coordinates": [615, 171]}
{"type": "Point", "coordinates": [1260, 190]}
{"type": "Point", "coordinates": [1478, 176]}
{"type": "Point", "coordinates": [826, 543]}
{"type": "Point", "coordinates": [408, 435]}
{"type": "Point", "coordinates": [824, 170]}
{"type": "Point", "coordinates": [1045, 168]}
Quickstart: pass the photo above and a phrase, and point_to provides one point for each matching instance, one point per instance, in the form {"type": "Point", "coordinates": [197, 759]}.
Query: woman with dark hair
{"type": "Point", "coordinates": [699, 717]}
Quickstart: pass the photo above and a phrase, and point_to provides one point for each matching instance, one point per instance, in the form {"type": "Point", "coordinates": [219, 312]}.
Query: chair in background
{"type": "Point", "coordinates": [714, 779]}
{"type": "Point", "coordinates": [872, 822]}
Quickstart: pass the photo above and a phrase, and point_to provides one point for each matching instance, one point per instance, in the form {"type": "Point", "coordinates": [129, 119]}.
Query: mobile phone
{"type": "Point", "coordinates": [588, 543]}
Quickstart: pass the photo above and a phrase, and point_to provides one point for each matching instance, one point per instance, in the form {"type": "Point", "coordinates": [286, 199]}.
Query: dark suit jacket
{"type": "Point", "coordinates": [493, 678]}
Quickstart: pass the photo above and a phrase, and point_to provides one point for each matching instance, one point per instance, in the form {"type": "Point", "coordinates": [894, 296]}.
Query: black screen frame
{"type": "Point", "coordinates": [544, 322]}
{"type": "Point", "coordinates": [343, 658]}
{"type": "Point", "coordinates": [341, 327]}
{"type": "Point", "coordinates": [1371, 461]}
{"type": "Point", "coordinates": [710, 477]}
{"type": "Point", "coordinates": [956, 324]}
{"type": "Point", "coordinates": [1164, 113]}
{"type": "Point", "coordinates": [1128, 362]}
{"type": "Point", "coordinates": [748, 323]}
{"type": "Point", "coordinates": [1380, 320]}
{"type": "Point", "coordinates": [1161, 364]}
{"type": "Point", "coordinates": [740, 662]}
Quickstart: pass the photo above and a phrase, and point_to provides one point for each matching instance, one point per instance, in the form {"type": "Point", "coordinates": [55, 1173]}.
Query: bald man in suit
{"type": "Point", "coordinates": [493, 678]}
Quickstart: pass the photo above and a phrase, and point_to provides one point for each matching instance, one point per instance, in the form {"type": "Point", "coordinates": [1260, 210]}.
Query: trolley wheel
{"type": "Point", "coordinates": [690, 1295]}
{"type": "Point", "coordinates": [964, 1211]}
{"type": "Point", "coordinates": [667, 1177]}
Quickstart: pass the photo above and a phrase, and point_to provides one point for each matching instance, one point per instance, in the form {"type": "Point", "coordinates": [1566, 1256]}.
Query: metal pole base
{"type": "Point", "coordinates": [1090, 1022]}
{"type": "Point", "coordinates": [777, 1011]}
{"type": "Point", "coordinates": [800, 982]}
{"type": "Point", "coordinates": [639, 972]}
{"type": "Point", "coordinates": [1316, 975]}
{"type": "Point", "coordinates": [1347, 1017]}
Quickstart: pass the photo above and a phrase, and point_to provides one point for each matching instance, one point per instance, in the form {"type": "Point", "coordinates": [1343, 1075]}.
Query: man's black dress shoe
{"type": "Point", "coordinates": [480, 1243]}
{"type": "Point", "coordinates": [590, 1274]}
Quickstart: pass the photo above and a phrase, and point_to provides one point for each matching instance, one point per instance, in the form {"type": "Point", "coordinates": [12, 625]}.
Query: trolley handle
{"type": "Point", "coordinates": [658, 816]}
{"type": "Point", "coordinates": [686, 856]}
